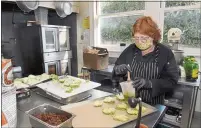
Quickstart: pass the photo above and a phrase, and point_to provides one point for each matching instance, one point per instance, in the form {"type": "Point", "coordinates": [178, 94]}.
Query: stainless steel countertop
{"type": "Point", "coordinates": [35, 100]}
{"type": "Point", "coordinates": [181, 80]}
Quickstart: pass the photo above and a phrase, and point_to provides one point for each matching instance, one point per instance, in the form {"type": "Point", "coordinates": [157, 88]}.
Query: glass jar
{"type": "Point", "coordinates": [191, 68]}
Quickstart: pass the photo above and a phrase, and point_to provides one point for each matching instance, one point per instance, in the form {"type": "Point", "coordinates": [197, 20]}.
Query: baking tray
{"type": "Point", "coordinates": [55, 90]}
{"type": "Point", "coordinates": [73, 99]}
{"type": "Point", "coordinates": [101, 120]}
{"type": "Point", "coordinates": [37, 123]}
{"type": "Point", "coordinates": [29, 86]}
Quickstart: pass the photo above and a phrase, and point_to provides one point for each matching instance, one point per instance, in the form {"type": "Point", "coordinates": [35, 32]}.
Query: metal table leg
{"type": "Point", "coordinates": [194, 98]}
{"type": "Point", "coordinates": [186, 109]}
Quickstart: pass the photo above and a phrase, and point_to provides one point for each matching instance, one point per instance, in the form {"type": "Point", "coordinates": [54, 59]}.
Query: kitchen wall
{"type": "Point", "coordinates": [83, 12]}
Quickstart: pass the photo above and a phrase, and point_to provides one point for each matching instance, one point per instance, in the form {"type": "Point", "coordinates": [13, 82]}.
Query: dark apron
{"type": "Point", "coordinates": [147, 70]}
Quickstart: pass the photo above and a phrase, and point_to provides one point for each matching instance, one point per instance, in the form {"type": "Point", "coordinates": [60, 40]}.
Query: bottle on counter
{"type": "Point", "coordinates": [191, 68]}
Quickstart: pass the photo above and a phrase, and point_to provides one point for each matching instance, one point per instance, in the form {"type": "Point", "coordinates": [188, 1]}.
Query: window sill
{"type": "Point", "coordinates": [116, 50]}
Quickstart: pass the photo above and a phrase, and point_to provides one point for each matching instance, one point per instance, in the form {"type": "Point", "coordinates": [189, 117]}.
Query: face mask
{"type": "Point", "coordinates": [144, 45]}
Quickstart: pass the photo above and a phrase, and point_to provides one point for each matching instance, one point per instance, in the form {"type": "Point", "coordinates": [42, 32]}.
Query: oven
{"type": "Point", "coordinates": [60, 67]}
{"type": "Point", "coordinates": [55, 38]}
{"type": "Point", "coordinates": [63, 39]}
{"type": "Point", "coordinates": [52, 67]}
{"type": "Point", "coordinates": [49, 39]}
{"type": "Point", "coordinates": [58, 63]}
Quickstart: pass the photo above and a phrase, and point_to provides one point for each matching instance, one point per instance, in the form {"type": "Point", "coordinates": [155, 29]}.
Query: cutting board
{"type": "Point", "coordinates": [55, 89]}
{"type": "Point", "coordinates": [89, 116]}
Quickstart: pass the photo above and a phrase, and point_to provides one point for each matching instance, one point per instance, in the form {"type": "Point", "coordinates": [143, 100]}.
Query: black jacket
{"type": "Point", "coordinates": [168, 69]}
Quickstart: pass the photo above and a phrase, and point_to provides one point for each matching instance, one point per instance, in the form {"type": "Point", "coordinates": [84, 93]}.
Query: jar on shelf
{"type": "Point", "coordinates": [191, 68]}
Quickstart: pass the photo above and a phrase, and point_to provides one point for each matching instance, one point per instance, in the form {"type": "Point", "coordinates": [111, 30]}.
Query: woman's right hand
{"type": "Point", "coordinates": [122, 69]}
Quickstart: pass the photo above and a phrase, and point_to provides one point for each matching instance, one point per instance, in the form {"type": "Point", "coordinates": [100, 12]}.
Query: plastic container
{"type": "Point", "coordinates": [46, 108]}
{"type": "Point", "coordinates": [127, 89]}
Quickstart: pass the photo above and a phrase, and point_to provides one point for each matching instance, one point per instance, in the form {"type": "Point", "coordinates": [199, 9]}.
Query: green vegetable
{"type": "Point", "coordinates": [32, 81]}
{"type": "Point", "coordinates": [87, 81]}
{"type": "Point", "coordinates": [132, 111]}
{"type": "Point", "coordinates": [25, 80]}
{"type": "Point", "coordinates": [98, 103]}
{"type": "Point", "coordinates": [121, 106]}
{"type": "Point", "coordinates": [74, 85]}
{"type": "Point", "coordinates": [61, 80]}
{"type": "Point", "coordinates": [31, 77]}
{"type": "Point", "coordinates": [68, 89]}
{"type": "Point", "coordinates": [143, 108]}
{"type": "Point", "coordinates": [17, 81]}
{"type": "Point", "coordinates": [44, 76]}
{"type": "Point", "coordinates": [120, 97]}
{"type": "Point", "coordinates": [109, 100]}
{"type": "Point", "coordinates": [66, 84]}
{"type": "Point", "coordinates": [122, 118]}
{"type": "Point", "coordinates": [109, 111]}
{"type": "Point", "coordinates": [54, 77]}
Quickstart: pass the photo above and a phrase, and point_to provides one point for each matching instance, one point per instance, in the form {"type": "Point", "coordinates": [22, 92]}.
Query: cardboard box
{"type": "Point", "coordinates": [96, 61]}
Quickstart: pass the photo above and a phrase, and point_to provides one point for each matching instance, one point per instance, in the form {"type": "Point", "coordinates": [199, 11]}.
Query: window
{"type": "Point", "coordinates": [185, 16]}
{"type": "Point", "coordinates": [115, 20]}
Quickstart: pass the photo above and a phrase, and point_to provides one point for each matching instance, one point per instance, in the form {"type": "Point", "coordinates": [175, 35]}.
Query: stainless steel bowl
{"type": "Point", "coordinates": [45, 108]}
{"type": "Point", "coordinates": [27, 6]}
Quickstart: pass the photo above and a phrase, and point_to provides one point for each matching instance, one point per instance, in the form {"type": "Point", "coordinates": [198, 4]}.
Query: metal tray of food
{"type": "Point", "coordinates": [73, 99]}
{"type": "Point", "coordinates": [46, 109]}
{"type": "Point", "coordinates": [76, 108]}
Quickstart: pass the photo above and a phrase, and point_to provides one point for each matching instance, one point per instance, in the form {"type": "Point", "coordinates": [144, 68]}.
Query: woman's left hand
{"type": "Point", "coordinates": [139, 83]}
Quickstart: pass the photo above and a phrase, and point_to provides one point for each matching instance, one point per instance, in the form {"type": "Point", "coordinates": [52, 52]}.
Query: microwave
{"type": "Point", "coordinates": [55, 38]}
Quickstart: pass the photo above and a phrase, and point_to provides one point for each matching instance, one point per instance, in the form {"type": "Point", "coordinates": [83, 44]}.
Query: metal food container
{"type": "Point", "coordinates": [46, 108]}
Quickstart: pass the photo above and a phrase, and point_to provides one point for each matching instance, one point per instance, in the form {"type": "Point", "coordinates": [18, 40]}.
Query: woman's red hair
{"type": "Point", "coordinates": [146, 26]}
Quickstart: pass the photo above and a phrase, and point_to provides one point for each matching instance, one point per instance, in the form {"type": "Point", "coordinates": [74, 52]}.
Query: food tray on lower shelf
{"type": "Point", "coordinates": [44, 109]}
{"type": "Point", "coordinates": [170, 121]}
{"type": "Point", "coordinates": [97, 118]}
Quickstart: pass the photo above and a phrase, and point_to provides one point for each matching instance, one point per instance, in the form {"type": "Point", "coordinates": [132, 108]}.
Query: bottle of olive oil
{"type": "Point", "coordinates": [191, 68]}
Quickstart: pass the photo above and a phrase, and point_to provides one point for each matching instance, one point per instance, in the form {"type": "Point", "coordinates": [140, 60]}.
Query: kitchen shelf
{"type": "Point", "coordinates": [166, 125]}
{"type": "Point", "coordinates": [173, 104]}
{"type": "Point", "coordinates": [172, 122]}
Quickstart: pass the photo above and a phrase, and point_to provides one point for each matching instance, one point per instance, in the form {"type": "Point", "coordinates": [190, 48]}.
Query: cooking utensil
{"type": "Point", "coordinates": [44, 81]}
{"type": "Point", "coordinates": [63, 8]}
{"type": "Point", "coordinates": [127, 87]}
{"type": "Point", "coordinates": [27, 6]}
{"type": "Point", "coordinates": [46, 108]}
{"type": "Point", "coordinates": [133, 103]}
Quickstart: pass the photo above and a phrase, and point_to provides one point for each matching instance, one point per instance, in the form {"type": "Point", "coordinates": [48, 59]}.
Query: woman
{"type": "Point", "coordinates": [153, 67]}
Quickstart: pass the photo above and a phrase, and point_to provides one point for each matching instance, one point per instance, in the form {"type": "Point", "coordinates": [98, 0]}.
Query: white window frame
{"type": "Point", "coordinates": [180, 8]}
{"type": "Point", "coordinates": [154, 9]}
